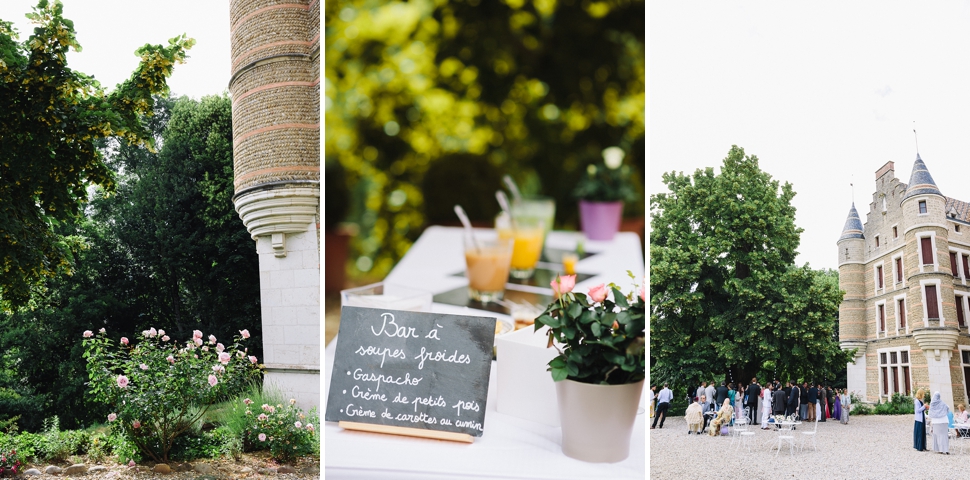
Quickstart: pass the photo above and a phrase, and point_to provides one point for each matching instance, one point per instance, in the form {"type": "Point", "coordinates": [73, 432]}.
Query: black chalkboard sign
{"type": "Point", "coordinates": [410, 369]}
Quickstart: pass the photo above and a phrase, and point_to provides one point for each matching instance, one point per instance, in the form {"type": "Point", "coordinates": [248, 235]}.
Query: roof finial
{"type": "Point", "coordinates": [852, 187]}
{"type": "Point", "coordinates": [917, 138]}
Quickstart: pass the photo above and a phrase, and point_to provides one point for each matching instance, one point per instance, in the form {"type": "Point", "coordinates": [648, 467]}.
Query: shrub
{"type": "Point", "coordinates": [219, 442]}
{"type": "Point", "coordinates": [862, 409]}
{"type": "Point", "coordinates": [158, 391]}
{"type": "Point", "coordinates": [9, 461]}
{"type": "Point", "coordinates": [282, 428]}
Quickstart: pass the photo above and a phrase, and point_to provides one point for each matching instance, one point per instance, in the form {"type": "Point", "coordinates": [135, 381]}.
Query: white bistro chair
{"type": "Point", "coordinates": [786, 434]}
{"type": "Point", "coordinates": [812, 434]}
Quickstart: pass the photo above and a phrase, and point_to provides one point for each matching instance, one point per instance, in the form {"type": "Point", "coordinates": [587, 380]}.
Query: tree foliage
{"type": "Point", "coordinates": [166, 249]}
{"type": "Point", "coordinates": [538, 88]}
{"type": "Point", "coordinates": [726, 296]}
{"type": "Point", "coordinates": [52, 119]}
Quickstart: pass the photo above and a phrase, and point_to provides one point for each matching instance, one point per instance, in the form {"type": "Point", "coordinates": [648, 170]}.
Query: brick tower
{"type": "Point", "coordinates": [275, 89]}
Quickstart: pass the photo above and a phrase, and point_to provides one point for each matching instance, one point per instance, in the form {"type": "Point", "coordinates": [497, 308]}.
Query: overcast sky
{"type": "Point", "coordinates": [823, 93]}
{"type": "Point", "coordinates": [110, 31]}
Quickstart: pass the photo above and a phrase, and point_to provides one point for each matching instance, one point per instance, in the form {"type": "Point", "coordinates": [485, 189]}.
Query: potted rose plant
{"type": "Point", "coordinates": [601, 193]}
{"type": "Point", "coordinates": [600, 369]}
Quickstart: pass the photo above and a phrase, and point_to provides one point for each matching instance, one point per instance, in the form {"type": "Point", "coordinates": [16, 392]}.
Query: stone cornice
{"type": "Point", "coordinates": [278, 211]}
{"type": "Point", "coordinates": [936, 340]}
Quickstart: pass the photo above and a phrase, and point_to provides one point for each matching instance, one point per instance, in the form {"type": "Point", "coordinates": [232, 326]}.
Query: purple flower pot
{"type": "Point", "coordinates": [600, 220]}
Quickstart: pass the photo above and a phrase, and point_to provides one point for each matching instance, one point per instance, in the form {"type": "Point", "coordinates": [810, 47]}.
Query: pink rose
{"type": "Point", "coordinates": [224, 358]}
{"type": "Point", "coordinates": [152, 332]}
{"type": "Point", "coordinates": [252, 359]}
{"type": "Point", "coordinates": [220, 347]}
{"type": "Point", "coordinates": [205, 348]}
{"type": "Point", "coordinates": [563, 284]}
{"type": "Point", "coordinates": [266, 407]}
{"type": "Point", "coordinates": [298, 425]}
{"type": "Point", "coordinates": [196, 334]}
{"type": "Point", "coordinates": [598, 293]}
{"type": "Point", "coordinates": [218, 368]}
{"type": "Point", "coordinates": [124, 340]}
{"type": "Point", "coordinates": [143, 366]}
{"type": "Point", "coordinates": [643, 293]}
{"type": "Point", "coordinates": [240, 354]}
{"type": "Point", "coordinates": [198, 342]}
{"type": "Point", "coordinates": [262, 417]}
{"type": "Point", "coordinates": [309, 427]}
{"type": "Point", "coordinates": [161, 332]}
{"type": "Point", "coordinates": [136, 424]}
{"type": "Point", "coordinates": [131, 463]}
{"type": "Point", "coordinates": [122, 381]}
{"type": "Point", "coordinates": [88, 334]}
{"type": "Point", "coordinates": [244, 333]}
{"type": "Point", "coordinates": [213, 380]}
{"type": "Point", "coordinates": [212, 339]}
{"type": "Point", "coordinates": [102, 330]}
{"type": "Point", "coordinates": [165, 338]}
{"type": "Point", "coordinates": [248, 401]}
{"type": "Point", "coordinates": [170, 359]}
{"type": "Point", "coordinates": [262, 437]}
{"type": "Point", "coordinates": [112, 417]}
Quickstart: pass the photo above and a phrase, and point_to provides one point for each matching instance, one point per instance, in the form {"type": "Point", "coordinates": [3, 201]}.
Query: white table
{"type": "Point", "coordinates": [510, 448]}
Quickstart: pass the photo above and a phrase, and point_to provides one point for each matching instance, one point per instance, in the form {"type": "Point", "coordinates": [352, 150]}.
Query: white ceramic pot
{"type": "Point", "coordinates": [597, 420]}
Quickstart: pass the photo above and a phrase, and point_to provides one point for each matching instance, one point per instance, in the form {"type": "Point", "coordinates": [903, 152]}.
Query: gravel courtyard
{"type": "Point", "coordinates": [869, 447]}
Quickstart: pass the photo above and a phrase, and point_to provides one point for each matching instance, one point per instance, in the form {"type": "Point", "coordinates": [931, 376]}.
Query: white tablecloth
{"type": "Point", "coordinates": [510, 447]}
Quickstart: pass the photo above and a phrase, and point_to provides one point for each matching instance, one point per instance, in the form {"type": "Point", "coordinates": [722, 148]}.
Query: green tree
{"type": "Point", "coordinates": [726, 296]}
{"type": "Point", "coordinates": [534, 88]}
{"type": "Point", "coordinates": [52, 119]}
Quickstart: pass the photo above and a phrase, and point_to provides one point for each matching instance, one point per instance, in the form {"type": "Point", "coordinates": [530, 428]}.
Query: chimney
{"type": "Point", "coordinates": [887, 168]}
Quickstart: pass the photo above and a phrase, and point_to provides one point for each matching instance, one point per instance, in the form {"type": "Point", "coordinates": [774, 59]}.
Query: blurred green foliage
{"type": "Point", "coordinates": [537, 88]}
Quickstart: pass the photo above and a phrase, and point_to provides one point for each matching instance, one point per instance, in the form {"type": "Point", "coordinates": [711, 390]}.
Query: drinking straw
{"type": "Point", "coordinates": [512, 188]}
{"type": "Point", "coordinates": [468, 226]}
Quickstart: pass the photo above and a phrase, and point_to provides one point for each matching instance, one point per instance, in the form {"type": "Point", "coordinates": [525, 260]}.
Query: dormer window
{"type": "Point", "coordinates": [922, 206]}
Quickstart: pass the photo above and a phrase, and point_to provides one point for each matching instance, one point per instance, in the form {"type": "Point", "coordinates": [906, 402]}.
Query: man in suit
{"type": "Point", "coordinates": [803, 407]}
{"type": "Point", "coordinates": [720, 395]}
{"type": "Point", "coordinates": [700, 390]}
{"type": "Point", "coordinates": [709, 392]}
{"type": "Point", "coordinates": [793, 399]}
{"type": "Point", "coordinates": [753, 392]}
{"type": "Point", "coordinates": [812, 398]}
{"type": "Point", "coordinates": [779, 401]}
{"type": "Point", "coordinates": [821, 403]}
{"type": "Point", "coordinates": [705, 409]}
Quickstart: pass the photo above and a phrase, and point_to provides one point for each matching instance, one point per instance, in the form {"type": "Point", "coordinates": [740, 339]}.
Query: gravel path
{"type": "Point", "coordinates": [869, 447]}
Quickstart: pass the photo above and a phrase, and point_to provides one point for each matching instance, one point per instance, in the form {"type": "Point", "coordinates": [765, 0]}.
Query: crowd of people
{"type": "Point", "coordinates": [719, 406]}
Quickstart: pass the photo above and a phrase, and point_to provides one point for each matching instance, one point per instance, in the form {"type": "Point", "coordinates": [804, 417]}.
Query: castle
{"type": "Point", "coordinates": [905, 275]}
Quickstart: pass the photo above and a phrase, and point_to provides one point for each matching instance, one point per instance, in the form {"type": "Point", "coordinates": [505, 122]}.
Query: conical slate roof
{"type": "Point", "coordinates": [920, 181]}
{"type": "Point", "coordinates": [853, 225]}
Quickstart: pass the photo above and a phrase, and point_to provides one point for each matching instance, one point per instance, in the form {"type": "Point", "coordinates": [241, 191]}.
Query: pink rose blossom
{"type": "Point", "coordinates": [218, 368]}
{"type": "Point", "coordinates": [252, 358]}
{"type": "Point", "coordinates": [102, 330]}
{"type": "Point", "coordinates": [166, 338]}
{"type": "Point", "coordinates": [262, 417]}
{"type": "Point", "coordinates": [220, 347]}
{"type": "Point", "coordinates": [240, 354]}
{"type": "Point", "coordinates": [122, 381]}
{"type": "Point", "coordinates": [266, 407]}
{"type": "Point", "coordinates": [598, 293]}
{"type": "Point", "coordinates": [205, 348]}
{"type": "Point", "coordinates": [88, 334]}
{"type": "Point", "coordinates": [196, 334]}
{"type": "Point", "coordinates": [170, 359]}
{"type": "Point", "coordinates": [262, 437]}
{"type": "Point", "coordinates": [152, 332]}
{"type": "Point", "coordinates": [112, 417]}
{"type": "Point", "coordinates": [196, 356]}
{"type": "Point", "coordinates": [198, 342]}
{"type": "Point", "coordinates": [563, 284]}
{"type": "Point", "coordinates": [161, 332]}
{"type": "Point", "coordinates": [298, 425]}
{"type": "Point", "coordinates": [212, 339]}
{"type": "Point", "coordinates": [224, 358]}
{"type": "Point", "coordinates": [244, 333]}
{"type": "Point", "coordinates": [643, 293]}
{"type": "Point", "coordinates": [309, 427]}
{"type": "Point", "coordinates": [213, 380]}
{"type": "Point", "coordinates": [124, 340]}
{"type": "Point", "coordinates": [143, 366]}
{"type": "Point", "coordinates": [136, 424]}
{"type": "Point", "coordinates": [248, 401]}
{"type": "Point", "coordinates": [131, 463]}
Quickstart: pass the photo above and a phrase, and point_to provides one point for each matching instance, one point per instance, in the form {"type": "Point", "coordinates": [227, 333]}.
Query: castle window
{"type": "Point", "coordinates": [953, 264]}
{"type": "Point", "coordinates": [932, 308]}
{"type": "Point", "coordinates": [895, 233]}
{"type": "Point", "coordinates": [882, 317]}
{"type": "Point", "coordinates": [879, 276]}
{"type": "Point", "coordinates": [877, 241]}
{"type": "Point", "coordinates": [901, 311]}
{"type": "Point", "coordinates": [966, 266]}
{"type": "Point", "coordinates": [956, 228]}
{"type": "Point", "coordinates": [926, 245]}
{"type": "Point", "coordinates": [899, 269]}
{"type": "Point", "coordinates": [958, 300]}
{"type": "Point", "coordinates": [922, 206]}
{"type": "Point", "coordinates": [897, 366]}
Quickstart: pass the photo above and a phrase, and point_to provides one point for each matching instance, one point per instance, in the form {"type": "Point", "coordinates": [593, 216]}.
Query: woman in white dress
{"type": "Point", "coordinates": [766, 406]}
{"type": "Point", "coordinates": [940, 420]}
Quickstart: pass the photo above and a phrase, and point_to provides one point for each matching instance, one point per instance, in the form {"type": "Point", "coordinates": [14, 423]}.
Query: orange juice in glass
{"type": "Point", "coordinates": [527, 235]}
{"type": "Point", "coordinates": [488, 264]}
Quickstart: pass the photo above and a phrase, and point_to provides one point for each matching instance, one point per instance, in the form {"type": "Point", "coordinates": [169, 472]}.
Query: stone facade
{"type": "Point", "coordinates": [907, 285]}
{"type": "Point", "coordinates": [275, 89]}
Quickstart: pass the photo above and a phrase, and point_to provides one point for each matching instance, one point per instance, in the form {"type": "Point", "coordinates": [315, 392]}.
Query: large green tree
{"type": "Point", "coordinates": [52, 119]}
{"type": "Point", "coordinates": [726, 296]}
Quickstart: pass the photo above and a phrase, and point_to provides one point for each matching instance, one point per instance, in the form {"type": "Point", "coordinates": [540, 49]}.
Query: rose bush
{"type": "Point", "coordinates": [284, 429]}
{"type": "Point", "coordinates": [157, 388]}
{"type": "Point", "coordinates": [9, 463]}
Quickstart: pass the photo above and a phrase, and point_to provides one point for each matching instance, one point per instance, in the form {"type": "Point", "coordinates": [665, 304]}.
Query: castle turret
{"type": "Point", "coordinates": [852, 312]}
{"type": "Point", "coordinates": [928, 277]}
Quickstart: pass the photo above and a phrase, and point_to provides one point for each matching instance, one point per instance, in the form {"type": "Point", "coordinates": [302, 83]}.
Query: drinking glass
{"type": "Point", "coordinates": [488, 263]}
{"type": "Point", "coordinates": [527, 235]}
